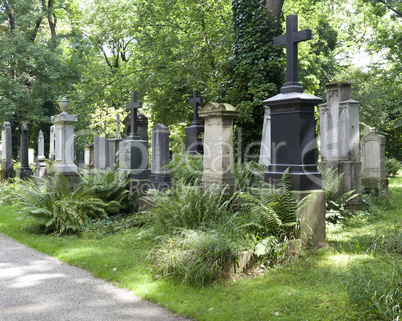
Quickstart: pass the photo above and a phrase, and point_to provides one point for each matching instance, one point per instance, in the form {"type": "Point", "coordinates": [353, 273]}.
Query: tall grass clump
{"type": "Point", "coordinates": [392, 166]}
{"type": "Point", "coordinates": [376, 291]}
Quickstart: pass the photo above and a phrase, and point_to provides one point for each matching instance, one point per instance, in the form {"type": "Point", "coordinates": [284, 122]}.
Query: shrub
{"type": "Point", "coordinates": [250, 174]}
{"type": "Point", "coordinates": [185, 168]}
{"type": "Point", "coordinates": [392, 166]}
{"type": "Point", "coordinates": [194, 257]}
{"type": "Point", "coordinates": [377, 290]}
{"type": "Point", "coordinates": [55, 207]}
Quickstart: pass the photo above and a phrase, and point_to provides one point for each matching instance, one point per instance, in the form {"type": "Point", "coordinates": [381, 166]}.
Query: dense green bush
{"type": "Point", "coordinates": [185, 168]}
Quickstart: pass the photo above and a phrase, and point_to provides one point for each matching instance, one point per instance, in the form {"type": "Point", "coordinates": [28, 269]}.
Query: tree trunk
{"type": "Point", "coordinates": [274, 9]}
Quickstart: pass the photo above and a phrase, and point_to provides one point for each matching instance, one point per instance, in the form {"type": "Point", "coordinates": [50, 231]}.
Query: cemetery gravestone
{"type": "Point", "coordinates": [64, 143]}
{"type": "Point", "coordinates": [373, 162]}
{"type": "Point", "coordinates": [193, 132]}
{"type": "Point", "coordinates": [142, 126]}
{"type": "Point", "coordinates": [24, 171]}
{"type": "Point", "coordinates": [40, 170]}
{"type": "Point", "coordinates": [133, 152]}
{"type": "Point", "coordinates": [7, 164]}
{"type": "Point", "coordinates": [218, 146]}
{"type": "Point", "coordinates": [160, 178]}
{"type": "Point", "coordinates": [101, 153]}
{"type": "Point", "coordinates": [293, 139]}
{"type": "Point", "coordinates": [88, 159]}
{"type": "Point", "coordinates": [339, 130]}
{"type": "Point", "coordinates": [265, 151]}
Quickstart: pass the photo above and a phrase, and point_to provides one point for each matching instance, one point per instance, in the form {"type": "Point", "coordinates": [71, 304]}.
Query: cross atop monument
{"type": "Point", "coordinates": [195, 101]}
{"type": "Point", "coordinates": [290, 40]}
{"type": "Point", "coordinates": [133, 106]}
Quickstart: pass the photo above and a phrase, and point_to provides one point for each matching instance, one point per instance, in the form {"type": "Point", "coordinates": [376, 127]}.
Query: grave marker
{"type": "Point", "coordinates": [7, 164]}
{"type": "Point", "coordinates": [193, 132]}
{"type": "Point", "coordinates": [40, 170]}
{"type": "Point", "coordinates": [24, 171]}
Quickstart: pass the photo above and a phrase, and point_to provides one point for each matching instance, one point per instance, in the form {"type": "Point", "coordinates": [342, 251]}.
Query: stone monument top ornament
{"type": "Point", "coordinates": [195, 101]}
{"type": "Point", "coordinates": [133, 106]}
{"type": "Point", "coordinates": [291, 40]}
{"type": "Point", "coordinates": [63, 104]}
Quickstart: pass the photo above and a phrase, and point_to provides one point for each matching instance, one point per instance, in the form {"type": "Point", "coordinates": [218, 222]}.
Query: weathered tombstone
{"type": "Point", "coordinates": [193, 132]}
{"type": "Point", "coordinates": [51, 143]}
{"type": "Point", "coordinates": [40, 170]}
{"type": "Point", "coordinates": [265, 151]}
{"type": "Point", "coordinates": [64, 145]}
{"type": "Point", "coordinates": [133, 152]}
{"type": "Point", "coordinates": [7, 164]}
{"type": "Point", "coordinates": [160, 178]}
{"type": "Point", "coordinates": [31, 155]}
{"type": "Point", "coordinates": [118, 122]}
{"type": "Point", "coordinates": [88, 159]}
{"type": "Point", "coordinates": [293, 139]}
{"type": "Point", "coordinates": [339, 131]}
{"type": "Point", "coordinates": [101, 153]}
{"type": "Point", "coordinates": [218, 146]}
{"type": "Point", "coordinates": [24, 171]}
{"type": "Point", "coordinates": [373, 162]}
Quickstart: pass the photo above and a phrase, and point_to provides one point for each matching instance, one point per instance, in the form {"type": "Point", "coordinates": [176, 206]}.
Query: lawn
{"type": "Point", "coordinates": [312, 287]}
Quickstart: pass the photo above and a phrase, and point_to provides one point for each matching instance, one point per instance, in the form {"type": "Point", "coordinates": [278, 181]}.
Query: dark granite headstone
{"type": "Point", "coordinates": [160, 178]}
{"type": "Point", "coordinates": [293, 135]}
{"type": "Point", "coordinates": [193, 141]}
{"type": "Point", "coordinates": [24, 171]}
{"type": "Point", "coordinates": [7, 164]}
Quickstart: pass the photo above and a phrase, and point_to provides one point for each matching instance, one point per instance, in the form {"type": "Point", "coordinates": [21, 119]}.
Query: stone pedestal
{"type": "Point", "coordinates": [312, 217]}
{"type": "Point", "coordinates": [114, 153]}
{"type": "Point", "coordinates": [160, 178]}
{"type": "Point", "coordinates": [293, 140]}
{"type": "Point", "coordinates": [373, 163]}
{"type": "Point", "coordinates": [24, 171]}
{"type": "Point", "coordinates": [265, 151]}
{"type": "Point", "coordinates": [133, 159]}
{"type": "Point", "coordinates": [218, 146]}
{"type": "Point", "coordinates": [339, 137]}
{"type": "Point", "coordinates": [88, 159]}
{"type": "Point", "coordinates": [64, 144]}
{"type": "Point", "coordinates": [7, 164]}
{"type": "Point", "coordinates": [194, 143]}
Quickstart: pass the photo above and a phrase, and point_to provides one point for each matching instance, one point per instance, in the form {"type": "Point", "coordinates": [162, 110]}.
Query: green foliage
{"type": "Point", "coordinates": [57, 208]}
{"type": "Point", "coordinates": [7, 190]}
{"type": "Point", "coordinates": [377, 290]}
{"type": "Point", "coordinates": [194, 257]}
{"type": "Point", "coordinates": [101, 228]}
{"type": "Point", "coordinates": [186, 169]}
{"type": "Point", "coordinates": [392, 166]}
{"type": "Point", "coordinates": [249, 174]}
{"type": "Point", "coordinates": [253, 73]}
{"type": "Point", "coordinates": [111, 187]}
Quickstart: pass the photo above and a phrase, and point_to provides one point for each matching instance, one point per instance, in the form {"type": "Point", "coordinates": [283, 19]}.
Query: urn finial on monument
{"type": "Point", "coordinates": [63, 104]}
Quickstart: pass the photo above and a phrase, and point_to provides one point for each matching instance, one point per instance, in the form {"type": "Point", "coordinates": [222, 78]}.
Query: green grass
{"type": "Point", "coordinates": [312, 288]}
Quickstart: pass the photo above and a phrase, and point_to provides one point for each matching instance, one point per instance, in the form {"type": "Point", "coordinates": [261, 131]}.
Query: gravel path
{"type": "Point", "coordinates": [35, 286]}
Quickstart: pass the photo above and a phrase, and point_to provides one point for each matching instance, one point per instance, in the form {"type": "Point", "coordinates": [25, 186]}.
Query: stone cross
{"type": "Point", "coordinates": [291, 40]}
{"type": "Point", "coordinates": [195, 101]}
{"type": "Point", "coordinates": [133, 106]}
{"type": "Point", "coordinates": [118, 121]}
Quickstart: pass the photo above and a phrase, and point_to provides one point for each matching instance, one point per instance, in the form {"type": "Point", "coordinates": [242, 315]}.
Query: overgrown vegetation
{"type": "Point", "coordinates": [392, 166]}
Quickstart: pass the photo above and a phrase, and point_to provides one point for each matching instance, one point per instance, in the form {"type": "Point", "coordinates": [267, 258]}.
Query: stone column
{"type": "Point", "coordinates": [160, 178]}
{"type": "Point", "coordinates": [24, 171]}
{"type": "Point", "coordinates": [265, 151]}
{"type": "Point", "coordinates": [373, 162]}
{"type": "Point", "coordinates": [7, 164]}
{"type": "Point", "coordinates": [52, 142]}
{"type": "Point", "coordinates": [40, 170]}
{"type": "Point", "coordinates": [88, 159]}
{"type": "Point", "coordinates": [339, 131]}
{"type": "Point", "coordinates": [64, 144]}
{"type": "Point", "coordinates": [218, 146]}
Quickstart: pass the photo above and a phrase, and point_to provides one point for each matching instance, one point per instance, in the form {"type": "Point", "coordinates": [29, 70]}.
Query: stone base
{"type": "Point", "coordinates": [136, 174]}
{"type": "Point", "coordinates": [73, 180]}
{"type": "Point", "coordinates": [379, 185]}
{"type": "Point", "coordinates": [194, 144]}
{"type": "Point", "coordinates": [227, 184]}
{"type": "Point", "coordinates": [40, 170]}
{"type": "Point", "coordinates": [303, 177]}
{"type": "Point", "coordinates": [87, 169]}
{"type": "Point", "coordinates": [312, 217]}
{"type": "Point", "coordinates": [64, 169]}
{"type": "Point", "coordinates": [138, 187]}
{"type": "Point", "coordinates": [160, 182]}
{"type": "Point", "coordinates": [24, 173]}
{"type": "Point", "coordinates": [7, 173]}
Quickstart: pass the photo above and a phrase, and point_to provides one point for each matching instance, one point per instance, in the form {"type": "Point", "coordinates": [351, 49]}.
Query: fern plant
{"type": "Point", "coordinates": [55, 207]}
